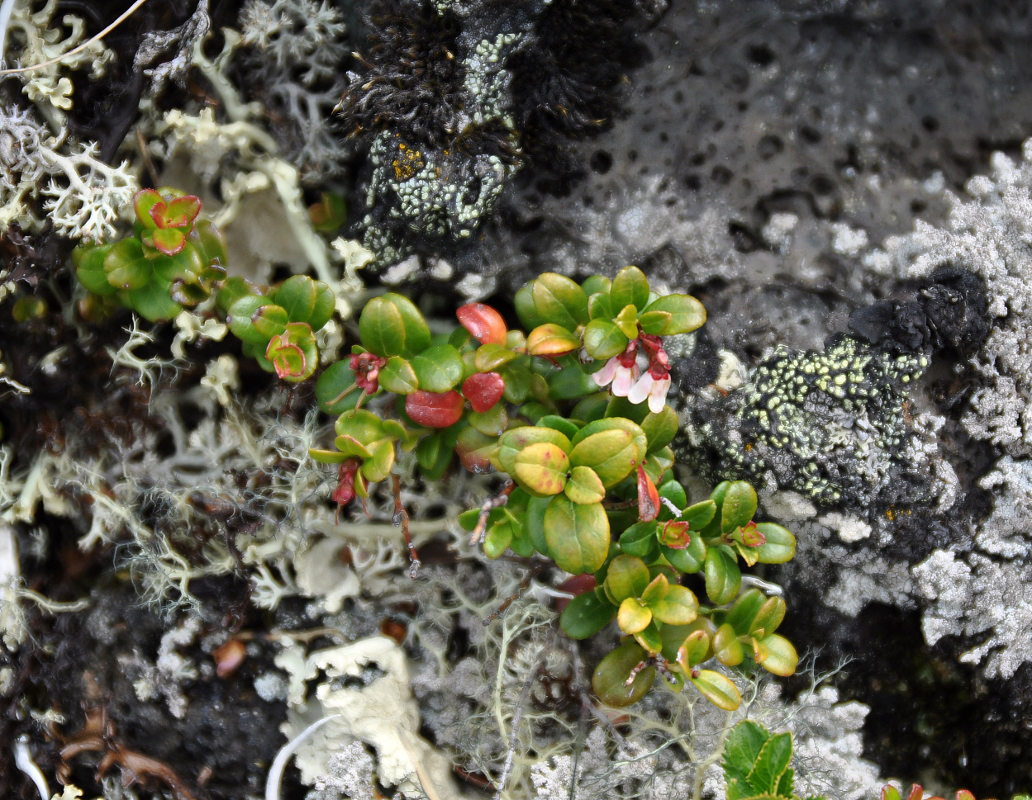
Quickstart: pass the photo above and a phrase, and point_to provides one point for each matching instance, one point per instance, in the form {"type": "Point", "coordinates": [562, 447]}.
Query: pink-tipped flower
{"type": "Point", "coordinates": [366, 367]}
{"type": "Point", "coordinates": [620, 372]}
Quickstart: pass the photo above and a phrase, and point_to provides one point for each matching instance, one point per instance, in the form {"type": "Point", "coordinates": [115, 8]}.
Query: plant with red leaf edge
{"type": "Point", "coordinates": [175, 259]}
{"type": "Point", "coordinates": [589, 460]}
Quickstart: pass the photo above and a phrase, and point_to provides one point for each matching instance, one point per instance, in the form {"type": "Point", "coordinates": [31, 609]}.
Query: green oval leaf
{"type": "Point", "coordinates": [739, 506]}
{"type": "Point", "coordinates": [718, 689]}
{"type": "Point", "coordinates": [723, 578]}
{"type": "Point", "coordinates": [640, 540]}
{"type": "Point", "coordinates": [611, 454]}
{"type": "Point", "coordinates": [632, 616]}
{"type": "Point", "coordinates": [630, 286]}
{"type": "Point", "coordinates": [558, 299]}
{"type": "Point", "coordinates": [690, 559]}
{"type": "Point", "coordinates": [391, 325]}
{"type": "Point", "coordinates": [541, 469]}
{"type": "Point", "coordinates": [603, 339]}
{"type": "Point", "coordinates": [438, 368]}
{"type": "Point", "coordinates": [331, 388]}
{"type": "Point", "coordinates": [378, 466]}
{"type": "Point", "coordinates": [398, 376]}
{"type": "Point", "coordinates": [686, 314]}
{"type": "Point", "coordinates": [660, 429]}
{"type": "Point", "coordinates": [678, 605]}
{"type": "Point", "coordinates": [577, 535]}
{"type": "Point", "coordinates": [126, 267]}
{"type": "Point", "coordinates": [610, 680]}
{"type": "Point", "coordinates": [515, 439]}
{"type": "Point", "coordinates": [586, 615]}
{"type": "Point", "coordinates": [779, 547]}
{"type": "Point", "coordinates": [89, 268]}
{"type": "Point", "coordinates": [699, 515]}
{"type": "Point", "coordinates": [693, 650]}
{"type": "Point", "coordinates": [551, 339]}
{"type": "Point", "coordinates": [490, 357]}
{"type": "Point", "coordinates": [744, 611]}
{"type": "Point", "coordinates": [726, 646]}
{"type": "Point", "coordinates": [153, 302]}
{"type": "Point", "coordinates": [627, 576]}
{"type": "Point", "coordinates": [782, 658]}
{"type": "Point", "coordinates": [584, 486]}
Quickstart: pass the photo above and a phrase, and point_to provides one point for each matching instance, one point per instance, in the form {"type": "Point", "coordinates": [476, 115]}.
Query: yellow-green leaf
{"type": "Point", "coordinates": [577, 535]}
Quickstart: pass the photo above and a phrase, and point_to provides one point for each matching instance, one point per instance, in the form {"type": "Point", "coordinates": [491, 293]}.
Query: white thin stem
{"type": "Point", "coordinates": [23, 760]}
{"type": "Point", "coordinates": [279, 764]}
{"type": "Point", "coordinates": [58, 59]}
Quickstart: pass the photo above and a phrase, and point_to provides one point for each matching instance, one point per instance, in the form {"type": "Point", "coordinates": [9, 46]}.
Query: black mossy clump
{"type": "Point", "coordinates": [411, 80]}
{"type": "Point", "coordinates": [949, 312]}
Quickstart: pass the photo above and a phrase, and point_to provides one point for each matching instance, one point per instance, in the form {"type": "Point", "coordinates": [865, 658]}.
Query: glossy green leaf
{"type": "Point", "coordinates": [726, 646]}
{"type": "Point", "coordinates": [331, 385]}
{"type": "Point", "coordinates": [361, 423]}
{"type": "Point", "coordinates": [690, 559]}
{"type": "Point", "coordinates": [768, 617]}
{"type": "Point", "coordinates": [515, 439]}
{"type": "Point", "coordinates": [660, 429]}
{"type": "Point", "coordinates": [586, 614]}
{"type": "Point", "coordinates": [599, 306]}
{"type": "Point", "coordinates": [640, 540]}
{"type": "Point", "coordinates": [650, 639]}
{"type": "Point", "coordinates": [492, 422]}
{"type": "Point", "coordinates": [143, 202]}
{"type": "Point", "coordinates": [153, 302]}
{"type": "Point", "coordinates": [584, 486]}
{"type": "Point", "coordinates": [577, 535]}
{"type": "Point", "coordinates": [391, 325]}
{"type": "Point", "coordinates": [673, 491]}
{"type": "Point", "coordinates": [551, 339]}
{"type": "Point", "coordinates": [491, 357]}
{"type": "Point", "coordinates": [610, 453]}
{"type": "Point", "coordinates": [497, 539]}
{"type": "Point", "coordinates": [630, 286]}
{"type": "Point", "coordinates": [438, 368]}
{"type": "Point", "coordinates": [541, 469]}
{"type": "Point", "coordinates": [632, 616]}
{"type": "Point", "coordinates": [293, 354]}
{"type": "Point", "coordinates": [676, 605]}
{"type": "Point", "coordinates": [596, 283]}
{"type": "Point", "coordinates": [565, 426]}
{"type": "Point", "coordinates": [694, 649]}
{"type": "Point", "coordinates": [398, 376]}
{"type": "Point", "coordinates": [718, 689]}
{"type": "Point", "coordinates": [779, 547]}
{"type": "Point", "coordinates": [570, 383]}
{"type": "Point", "coordinates": [782, 658]}
{"type": "Point", "coordinates": [654, 322]}
{"type": "Point", "coordinates": [627, 320]}
{"type": "Point", "coordinates": [699, 515]}
{"type": "Point", "coordinates": [741, 615]}
{"type": "Point", "coordinates": [611, 678]}
{"type": "Point", "coordinates": [738, 507]}
{"type": "Point", "coordinates": [351, 447]}
{"type": "Point", "coordinates": [559, 300]}
{"type": "Point", "coordinates": [627, 576]}
{"type": "Point", "coordinates": [126, 267]}
{"type": "Point", "coordinates": [378, 466]}
{"type": "Point", "coordinates": [603, 339]}
{"type": "Point", "coordinates": [723, 578]}
{"type": "Point", "coordinates": [327, 456]}
{"type": "Point", "coordinates": [612, 422]}
{"type": "Point", "coordinates": [534, 522]}
{"type": "Point", "coordinates": [89, 268]}
{"type": "Point", "coordinates": [686, 314]}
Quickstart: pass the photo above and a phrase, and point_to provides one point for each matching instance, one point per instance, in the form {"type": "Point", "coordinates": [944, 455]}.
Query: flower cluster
{"type": "Point", "coordinates": [641, 372]}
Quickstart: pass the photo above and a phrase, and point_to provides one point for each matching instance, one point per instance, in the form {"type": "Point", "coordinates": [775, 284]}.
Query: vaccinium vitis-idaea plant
{"type": "Point", "coordinates": [890, 792]}
{"type": "Point", "coordinates": [574, 412]}
{"type": "Point", "coordinates": [175, 259]}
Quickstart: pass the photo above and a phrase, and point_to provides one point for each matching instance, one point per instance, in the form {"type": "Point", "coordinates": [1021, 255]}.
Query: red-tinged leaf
{"type": "Point", "coordinates": [483, 323]}
{"type": "Point", "coordinates": [648, 497]}
{"type": "Point", "coordinates": [434, 409]}
{"type": "Point", "coordinates": [180, 212]}
{"type": "Point", "coordinates": [575, 585]}
{"type": "Point", "coordinates": [483, 390]}
{"type": "Point", "coordinates": [143, 202]}
{"type": "Point", "coordinates": [169, 241]}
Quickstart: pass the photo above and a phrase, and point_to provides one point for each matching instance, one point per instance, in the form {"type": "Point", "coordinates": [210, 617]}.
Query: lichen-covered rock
{"type": "Point", "coordinates": [829, 424]}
